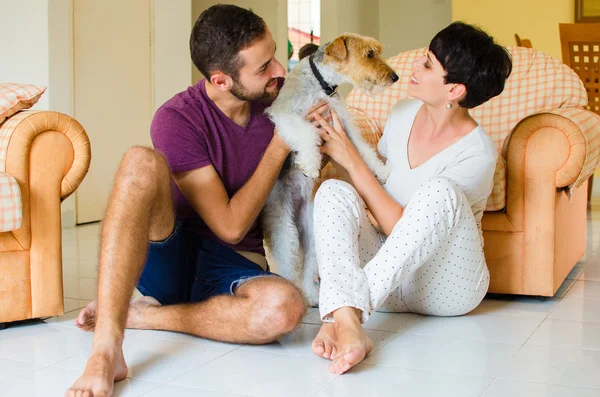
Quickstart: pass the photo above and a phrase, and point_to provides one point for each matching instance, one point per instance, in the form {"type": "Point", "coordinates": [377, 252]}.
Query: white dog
{"type": "Point", "coordinates": [288, 214]}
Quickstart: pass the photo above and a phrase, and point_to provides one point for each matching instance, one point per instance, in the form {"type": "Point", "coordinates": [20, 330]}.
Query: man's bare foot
{"type": "Point", "coordinates": [352, 341]}
{"type": "Point", "coordinates": [103, 368]}
{"type": "Point", "coordinates": [325, 343]}
{"type": "Point", "coordinates": [86, 320]}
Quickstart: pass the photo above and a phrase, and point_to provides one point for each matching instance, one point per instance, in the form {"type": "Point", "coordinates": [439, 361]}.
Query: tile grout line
{"type": "Point", "coordinates": [200, 366]}
{"type": "Point", "coordinates": [25, 374]}
{"type": "Point", "coordinates": [546, 317]}
{"type": "Point", "coordinates": [488, 387]}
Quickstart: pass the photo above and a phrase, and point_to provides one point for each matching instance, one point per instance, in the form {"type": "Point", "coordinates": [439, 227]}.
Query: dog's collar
{"type": "Point", "coordinates": [329, 89]}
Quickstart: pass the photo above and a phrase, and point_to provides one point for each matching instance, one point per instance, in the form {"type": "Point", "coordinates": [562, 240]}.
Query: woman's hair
{"type": "Point", "coordinates": [471, 57]}
{"type": "Point", "coordinates": [306, 50]}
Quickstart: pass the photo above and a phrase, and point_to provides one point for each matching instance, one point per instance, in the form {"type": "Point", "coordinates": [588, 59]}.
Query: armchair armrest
{"type": "Point", "coordinates": [545, 151]}
{"type": "Point", "coordinates": [61, 156]}
{"type": "Point", "coordinates": [581, 129]}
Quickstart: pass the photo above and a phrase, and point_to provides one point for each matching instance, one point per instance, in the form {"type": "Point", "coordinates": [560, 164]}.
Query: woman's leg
{"type": "Point", "coordinates": [345, 241]}
{"type": "Point", "coordinates": [434, 254]}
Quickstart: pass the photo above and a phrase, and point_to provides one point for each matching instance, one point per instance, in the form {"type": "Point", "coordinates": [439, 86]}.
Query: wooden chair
{"type": "Point", "coordinates": [523, 42]}
{"type": "Point", "coordinates": [580, 43]}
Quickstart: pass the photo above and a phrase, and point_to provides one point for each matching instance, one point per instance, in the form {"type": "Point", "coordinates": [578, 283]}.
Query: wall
{"type": "Point", "coordinates": [25, 60]}
{"type": "Point", "coordinates": [536, 20]}
{"type": "Point", "coordinates": [274, 12]}
{"type": "Point", "coordinates": [408, 24]}
{"type": "Point", "coordinates": [113, 90]}
{"type": "Point", "coordinates": [400, 25]}
{"type": "Point", "coordinates": [355, 16]}
{"type": "Point", "coordinates": [171, 66]}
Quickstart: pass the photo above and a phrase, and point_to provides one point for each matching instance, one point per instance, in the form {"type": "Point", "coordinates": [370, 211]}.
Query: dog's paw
{"type": "Point", "coordinates": [312, 174]}
{"type": "Point", "coordinates": [312, 297]}
{"type": "Point", "coordinates": [310, 169]}
{"type": "Point", "coordinates": [311, 289]}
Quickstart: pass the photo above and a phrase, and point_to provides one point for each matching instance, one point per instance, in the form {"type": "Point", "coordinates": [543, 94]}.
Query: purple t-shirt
{"type": "Point", "coordinates": [192, 132]}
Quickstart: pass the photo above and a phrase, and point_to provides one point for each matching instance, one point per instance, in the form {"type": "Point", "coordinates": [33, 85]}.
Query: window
{"type": "Point", "coordinates": [304, 25]}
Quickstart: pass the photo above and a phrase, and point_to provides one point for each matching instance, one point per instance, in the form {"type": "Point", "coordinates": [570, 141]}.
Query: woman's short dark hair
{"type": "Point", "coordinates": [219, 34]}
{"type": "Point", "coordinates": [306, 50]}
{"type": "Point", "coordinates": [471, 57]}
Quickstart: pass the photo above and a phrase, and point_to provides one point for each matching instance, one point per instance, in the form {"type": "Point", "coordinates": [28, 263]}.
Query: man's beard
{"type": "Point", "coordinates": [240, 92]}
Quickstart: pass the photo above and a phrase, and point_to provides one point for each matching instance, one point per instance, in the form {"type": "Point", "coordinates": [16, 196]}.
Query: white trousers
{"type": "Point", "coordinates": [432, 263]}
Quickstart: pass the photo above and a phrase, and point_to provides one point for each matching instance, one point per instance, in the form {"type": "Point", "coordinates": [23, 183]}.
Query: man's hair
{"type": "Point", "coordinates": [471, 57]}
{"type": "Point", "coordinates": [219, 34]}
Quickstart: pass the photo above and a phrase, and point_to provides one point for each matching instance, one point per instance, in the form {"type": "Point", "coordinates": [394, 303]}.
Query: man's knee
{"type": "Point", "coordinates": [278, 308]}
{"type": "Point", "coordinates": [143, 168]}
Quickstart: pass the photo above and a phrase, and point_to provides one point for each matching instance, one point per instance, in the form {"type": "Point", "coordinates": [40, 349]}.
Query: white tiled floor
{"type": "Point", "coordinates": [507, 347]}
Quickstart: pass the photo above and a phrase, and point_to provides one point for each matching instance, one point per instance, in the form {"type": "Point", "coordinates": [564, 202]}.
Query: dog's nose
{"type": "Point", "coordinates": [395, 77]}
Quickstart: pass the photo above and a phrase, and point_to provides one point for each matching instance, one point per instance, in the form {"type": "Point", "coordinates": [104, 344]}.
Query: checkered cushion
{"type": "Point", "coordinates": [6, 130]}
{"type": "Point", "coordinates": [15, 97]}
{"type": "Point", "coordinates": [11, 208]}
{"type": "Point", "coordinates": [537, 82]}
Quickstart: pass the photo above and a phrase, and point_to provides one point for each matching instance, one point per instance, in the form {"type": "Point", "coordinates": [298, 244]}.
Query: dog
{"type": "Point", "coordinates": [288, 214]}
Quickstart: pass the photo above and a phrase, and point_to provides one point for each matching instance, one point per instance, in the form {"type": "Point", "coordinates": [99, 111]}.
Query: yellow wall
{"type": "Point", "coordinates": [536, 20]}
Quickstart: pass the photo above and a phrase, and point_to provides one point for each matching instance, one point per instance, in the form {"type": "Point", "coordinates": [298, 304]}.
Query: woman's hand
{"type": "Point", "coordinates": [321, 108]}
{"type": "Point", "coordinates": [336, 143]}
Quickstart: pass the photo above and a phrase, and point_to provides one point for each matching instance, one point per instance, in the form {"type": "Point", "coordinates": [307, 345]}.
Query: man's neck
{"type": "Point", "coordinates": [238, 111]}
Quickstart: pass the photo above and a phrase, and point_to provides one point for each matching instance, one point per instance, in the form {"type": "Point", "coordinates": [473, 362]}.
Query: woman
{"type": "Point", "coordinates": [426, 255]}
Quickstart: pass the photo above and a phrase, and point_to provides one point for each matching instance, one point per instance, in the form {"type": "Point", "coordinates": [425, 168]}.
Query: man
{"type": "Point", "coordinates": [196, 255]}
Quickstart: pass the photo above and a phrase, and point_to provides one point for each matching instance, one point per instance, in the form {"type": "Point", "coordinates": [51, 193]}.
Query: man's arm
{"type": "Point", "coordinates": [231, 218]}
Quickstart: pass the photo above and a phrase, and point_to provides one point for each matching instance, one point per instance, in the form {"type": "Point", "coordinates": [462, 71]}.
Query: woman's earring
{"type": "Point", "coordinates": [448, 106]}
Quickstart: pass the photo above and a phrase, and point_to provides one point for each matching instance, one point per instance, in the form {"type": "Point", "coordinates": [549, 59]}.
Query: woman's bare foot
{"type": "Point", "coordinates": [86, 320]}
{"type": "Point", "coordinates": [104, 367]}
{"type": "Point", "coordinates": [325, 343]}
{"type": "Point", "coordinates": [352, 341]}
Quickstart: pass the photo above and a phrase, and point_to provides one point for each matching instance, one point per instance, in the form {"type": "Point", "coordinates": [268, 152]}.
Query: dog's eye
{"type": "Point", "coordinates": [370, 54]}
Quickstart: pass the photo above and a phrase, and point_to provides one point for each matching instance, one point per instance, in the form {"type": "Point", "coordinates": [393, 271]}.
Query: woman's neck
{"type": "Point", "coordinates": [438, 120]}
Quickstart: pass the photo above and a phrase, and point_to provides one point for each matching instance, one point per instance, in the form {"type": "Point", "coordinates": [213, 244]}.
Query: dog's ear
{"type": "Point", "coordinates": [337, 49]}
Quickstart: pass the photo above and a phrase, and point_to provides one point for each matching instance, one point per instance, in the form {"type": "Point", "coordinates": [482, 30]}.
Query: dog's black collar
{"type": "Point", "coordinates": [329, 89]}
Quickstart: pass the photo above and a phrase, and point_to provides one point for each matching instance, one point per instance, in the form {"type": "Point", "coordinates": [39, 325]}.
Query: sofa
{"type": "Point", "coordinates": [534, 226]}
{"type": "Point", "coordinates": [44, 156]}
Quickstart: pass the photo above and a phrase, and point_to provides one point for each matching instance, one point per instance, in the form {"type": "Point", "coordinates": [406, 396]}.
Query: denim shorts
{"type": "Point", "coordinates": [186, 268]}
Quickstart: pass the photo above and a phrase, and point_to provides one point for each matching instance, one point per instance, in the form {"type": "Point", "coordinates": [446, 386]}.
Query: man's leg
{"type": "Point", "coordinates": [262, 310]}
{"type": "Point", "coordinates": [140, 208]}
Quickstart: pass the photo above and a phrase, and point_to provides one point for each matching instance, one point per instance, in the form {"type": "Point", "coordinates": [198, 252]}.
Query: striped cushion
{"type": "Point", "coordinates": [537, 82]}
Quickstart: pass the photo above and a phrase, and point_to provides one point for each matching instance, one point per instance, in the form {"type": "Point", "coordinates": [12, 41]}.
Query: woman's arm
{"type": "Point", "coordinates": [386, 211]}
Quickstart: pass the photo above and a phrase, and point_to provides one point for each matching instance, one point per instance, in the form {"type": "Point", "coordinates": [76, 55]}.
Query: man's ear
{"type": "Point", "coordinates": [337, 49]}
{"type": "Point", "coordinates": [221, 81]}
